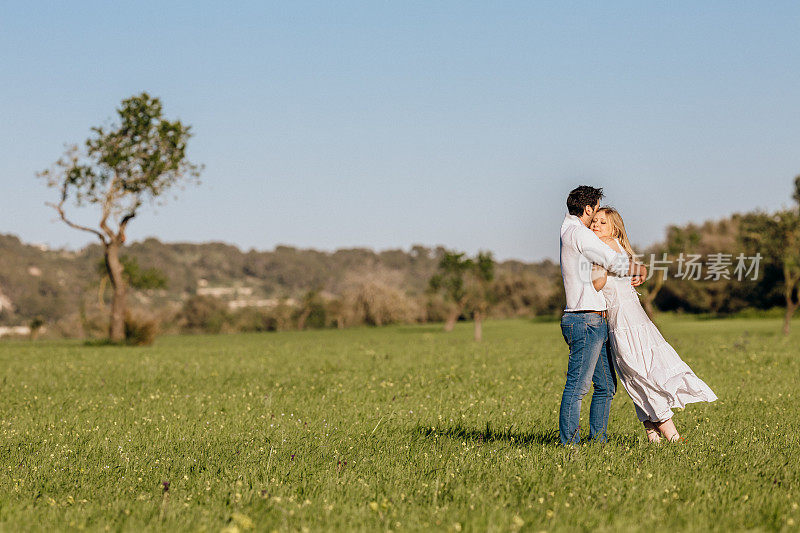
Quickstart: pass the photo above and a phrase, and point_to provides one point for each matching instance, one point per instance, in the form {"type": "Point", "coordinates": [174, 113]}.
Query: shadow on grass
{"type": "Point", "coordinates": [437, 328]}
{"type": "Point", "coordinates": [489, 434]}
{"type": "Point", "coordinates": [101, 342]}
{"type": "Point", "coordinates": [511, 436]}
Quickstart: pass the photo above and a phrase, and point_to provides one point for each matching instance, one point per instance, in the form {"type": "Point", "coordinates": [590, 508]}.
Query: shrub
{"type": "Point", "coordinates": [282, 316]}
{"type": "Point", "coordinates": [252, 319]}
{"type": "Point", "coordinates": [377, 304]}
{"type": "Point", "coordinates": [436, 308]}
{"type": "Point", "coordinates": [204, 314]}
{"type": "Point", "coordinates": [312, 312]}
{"type": "Point", "coordinates": [140, 329]}
{"type": "Point", "coordinates": [36, 326]}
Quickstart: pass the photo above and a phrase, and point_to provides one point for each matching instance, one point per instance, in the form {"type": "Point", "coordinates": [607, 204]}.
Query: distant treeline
{"type": "Point", "coordinates": [216, 287]}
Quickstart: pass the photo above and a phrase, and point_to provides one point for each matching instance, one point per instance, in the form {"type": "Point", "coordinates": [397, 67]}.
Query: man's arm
{"type": "Point", "coordinates": [599, 253]}
{"type": "Point", "coordinates": [599, 277]}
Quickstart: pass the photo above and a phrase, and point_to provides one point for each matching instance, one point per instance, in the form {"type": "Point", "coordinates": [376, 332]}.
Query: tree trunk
{"type": "Point", "coordinates": [116, 273]}
{"type": "Point", "coordinates": [788, 292]}
{"type": "Point", "coordinates": [101, 291]}
{"type": "Point", "coordinates": [451, 319]}
{"type": "Point", "coordinates": [791, 307]}
{"type": "Point", "coordinates": [648, 308]}
{"type": "Point", "coordinates": [478, 326]}
{"type": "Point", "coordinates": [650, 297]}
{"type": "Point", "coordinates": [301, 320]}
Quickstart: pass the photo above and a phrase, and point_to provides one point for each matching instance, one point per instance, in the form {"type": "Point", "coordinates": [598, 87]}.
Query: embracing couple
{"type": "Point", "coordinates": [608, 331]}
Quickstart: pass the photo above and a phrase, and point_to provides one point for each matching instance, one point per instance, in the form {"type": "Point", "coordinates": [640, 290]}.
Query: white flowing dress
{"type": "Point", "coordinates": [651, 371]}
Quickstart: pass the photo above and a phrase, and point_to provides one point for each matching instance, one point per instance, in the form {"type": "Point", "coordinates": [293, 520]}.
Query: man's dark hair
{"type": "Point", "coordinates": [582, 196]}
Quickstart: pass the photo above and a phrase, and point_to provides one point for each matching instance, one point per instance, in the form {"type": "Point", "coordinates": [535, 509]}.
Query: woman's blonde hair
{"type": "Point", "coordinates": [618, 229]}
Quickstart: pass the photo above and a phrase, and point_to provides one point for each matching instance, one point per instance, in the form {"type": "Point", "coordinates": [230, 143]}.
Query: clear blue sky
{"type": "Point", "coordinates": [384, 124]}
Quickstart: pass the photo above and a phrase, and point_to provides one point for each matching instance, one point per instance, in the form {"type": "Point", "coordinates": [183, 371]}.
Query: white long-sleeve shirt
{"type": "Point", "coordinates": [580, 247]}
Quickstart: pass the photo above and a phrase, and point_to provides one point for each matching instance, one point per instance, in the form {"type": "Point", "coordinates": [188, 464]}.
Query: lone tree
{"type": "Point", "coordinates": [119, 168]}
{"type": "Point", "coordinates": [466, 284]}
{"type": "Point", "coordinates": [449, 279]}
{"type": "Point", "coordinates": [679, 240]}
{"type": "Point", "coordinates": [479, 289]}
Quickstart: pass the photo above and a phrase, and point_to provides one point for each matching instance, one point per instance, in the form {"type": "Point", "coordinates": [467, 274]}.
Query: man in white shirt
{"type": "Point", "coordinates": [584, 323]}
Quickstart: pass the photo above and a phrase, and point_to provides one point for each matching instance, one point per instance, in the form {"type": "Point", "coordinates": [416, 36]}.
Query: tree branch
{"type": "Point", "coordinates": [59, 207]}
{"type": "Point", "coordinates": [124, 223]}
{"type": "Point", "coordinates": [107, 203]}
{"type": "Point", "coordinates": [790, 281]}
{"type": "Point", "coordinates": [793, 289]}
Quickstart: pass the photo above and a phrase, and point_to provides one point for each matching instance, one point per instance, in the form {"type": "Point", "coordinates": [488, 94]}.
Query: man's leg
{"type": "Point", "coordinates": [584, 351]}
{"type": "Point", "coordinates": [605, 385]}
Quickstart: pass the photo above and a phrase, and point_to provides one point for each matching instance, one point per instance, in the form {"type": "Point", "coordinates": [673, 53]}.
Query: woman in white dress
{"type": "Point", "coordinates": [652, 373]}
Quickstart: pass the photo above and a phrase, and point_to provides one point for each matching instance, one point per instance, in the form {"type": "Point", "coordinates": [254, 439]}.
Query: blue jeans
{"type": "Point", "coordinates": [589, 362]}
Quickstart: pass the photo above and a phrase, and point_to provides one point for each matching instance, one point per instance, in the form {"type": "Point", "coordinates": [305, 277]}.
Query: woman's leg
{"type": "Point", "coordinates": [668, 429]}
{"type": "Point", "coordinates": [652, 431]}
{"type": "Point", "coordinates": [649, 427]}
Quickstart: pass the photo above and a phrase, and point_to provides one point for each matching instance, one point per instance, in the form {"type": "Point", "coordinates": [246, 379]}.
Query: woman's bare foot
{"type": "Point", "coordinates": [668, 430]}
{"type": "Point", "coordinates": [652, 432]}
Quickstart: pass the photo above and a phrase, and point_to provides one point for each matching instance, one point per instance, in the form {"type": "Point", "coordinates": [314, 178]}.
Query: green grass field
{"type": "Point", "coordinates": [398, 428]}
